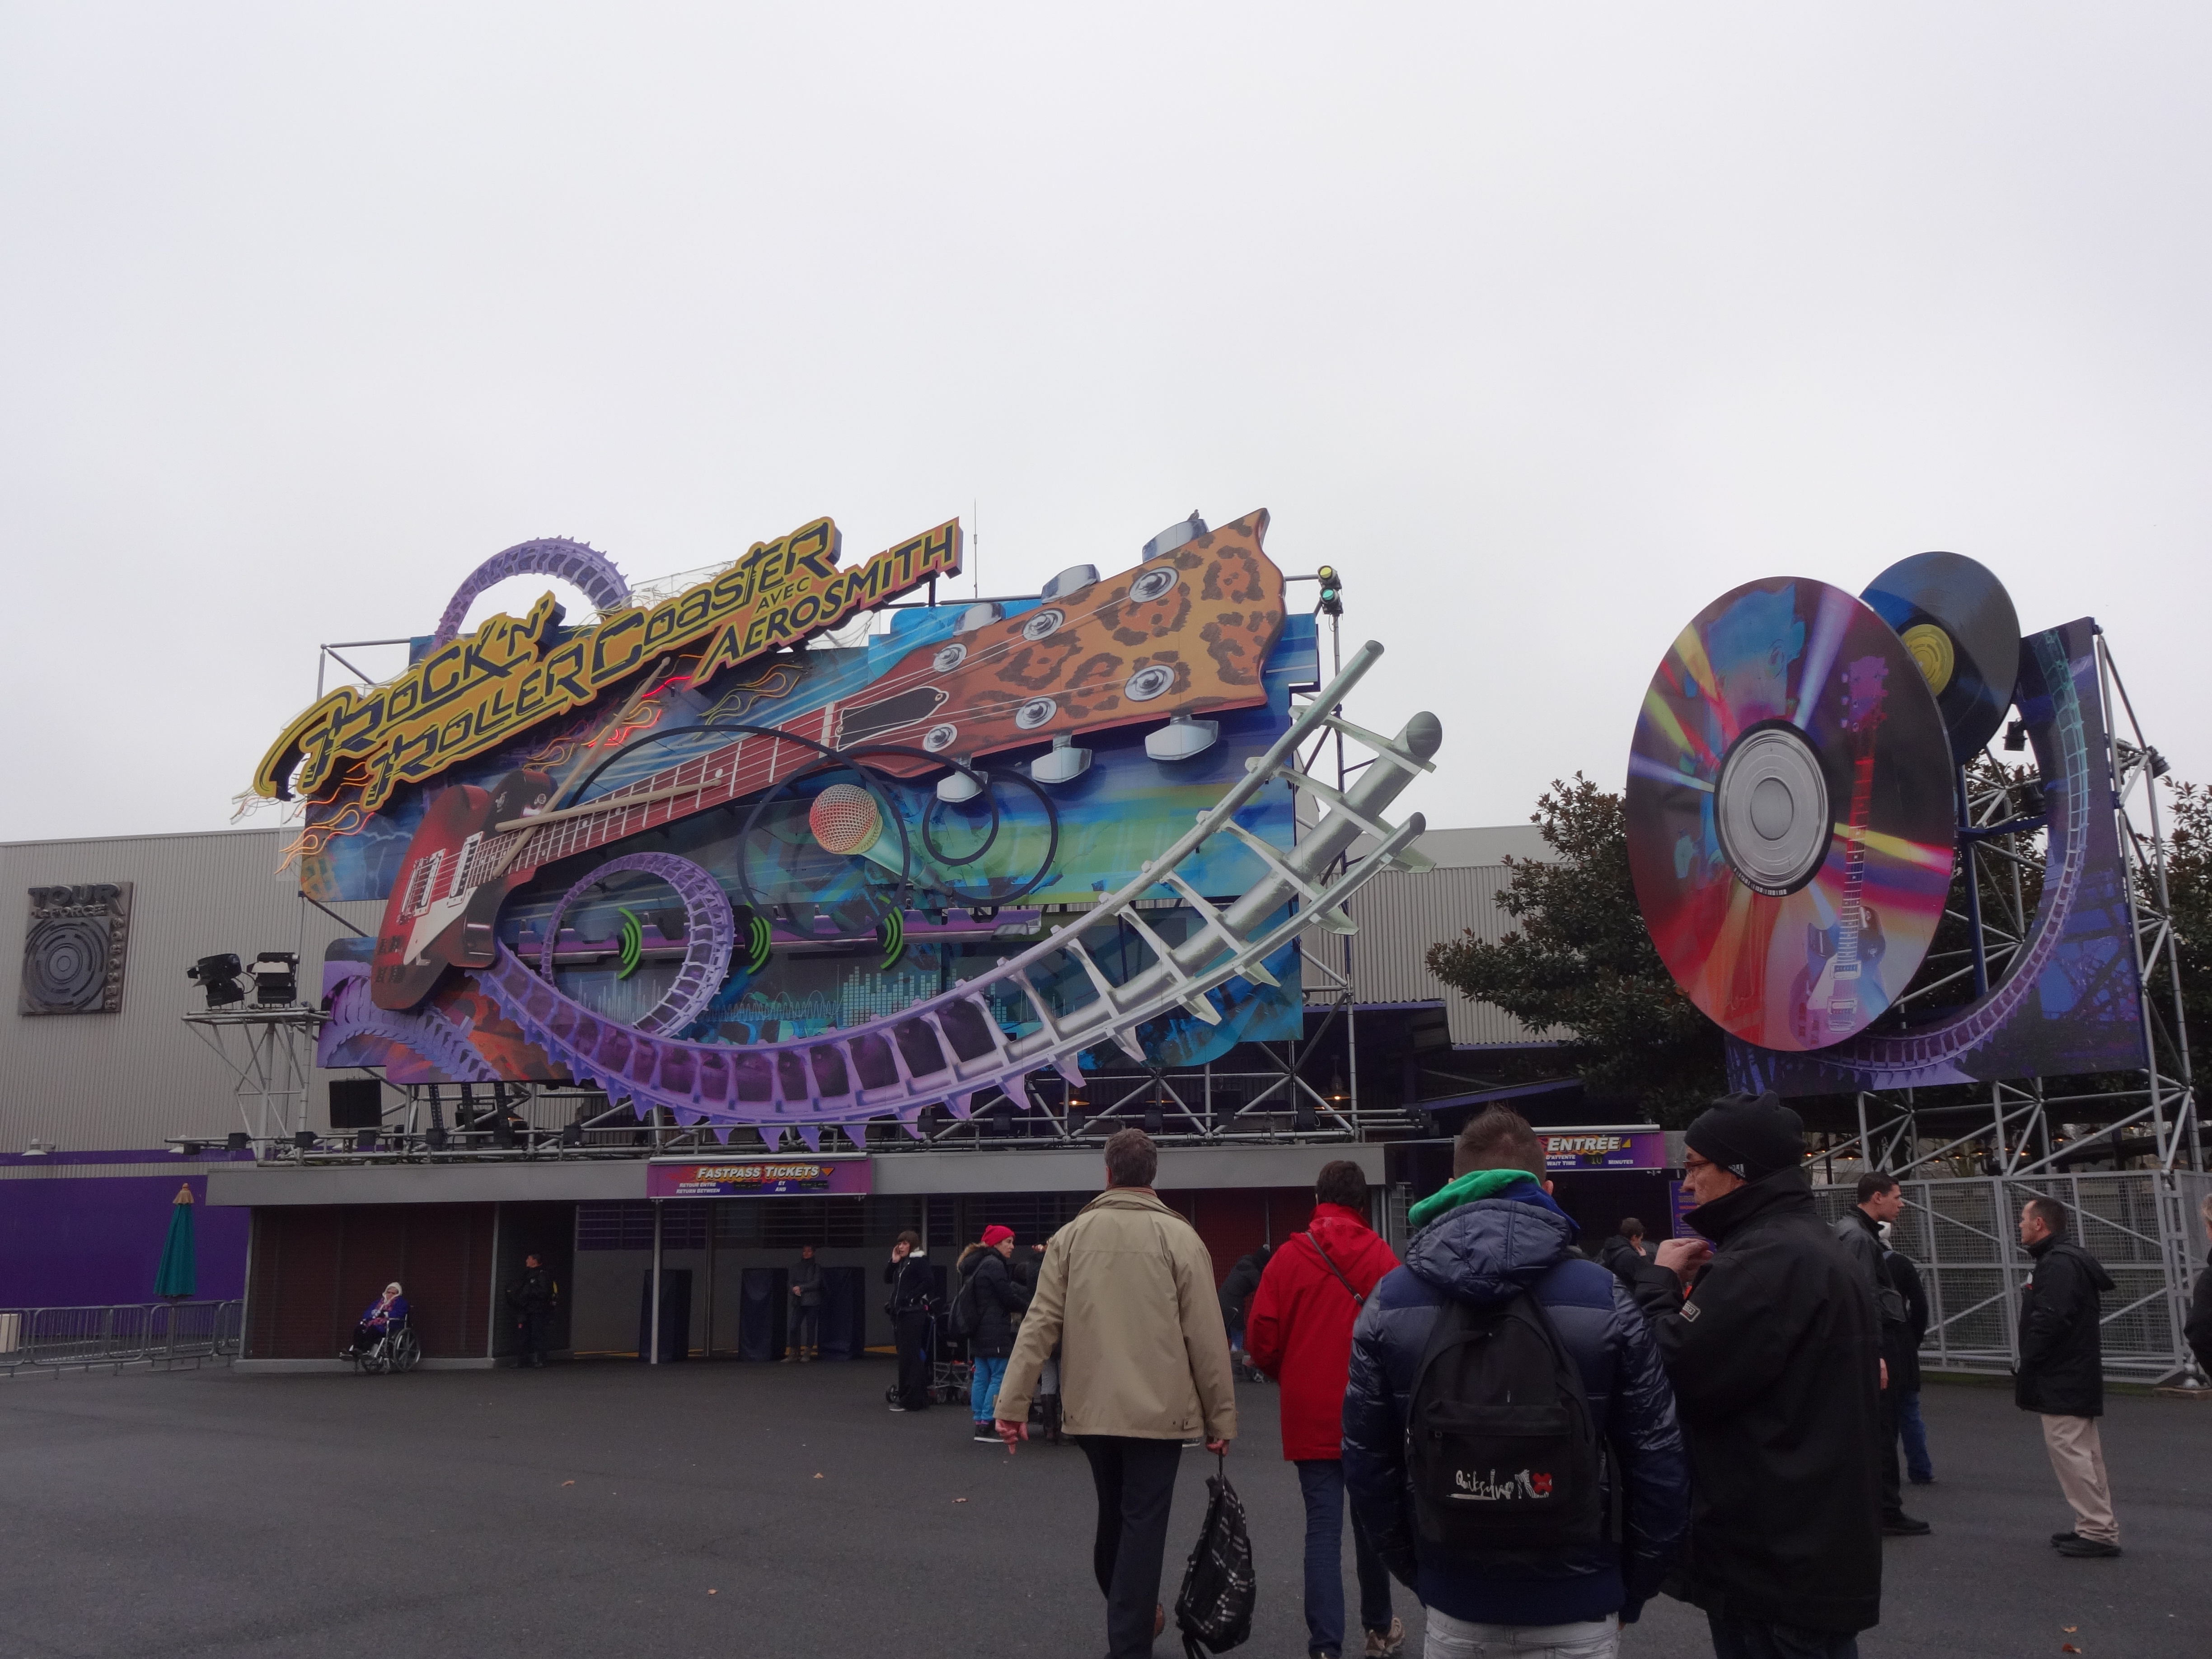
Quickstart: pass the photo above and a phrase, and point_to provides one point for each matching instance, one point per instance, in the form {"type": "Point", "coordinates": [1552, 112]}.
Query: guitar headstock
{"type": "Point", "coordinates": [1864, 686]}
{"type": "Point", "coordinates": [1181, 634]}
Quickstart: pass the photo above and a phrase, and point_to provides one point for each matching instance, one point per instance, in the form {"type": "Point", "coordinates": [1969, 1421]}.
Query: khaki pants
{"type": "Point", "coordinates": [2078, 1457]}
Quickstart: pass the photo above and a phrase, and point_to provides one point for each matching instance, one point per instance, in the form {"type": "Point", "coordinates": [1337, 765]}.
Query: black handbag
{"type": "Point", "coordinates": [1215, 1610]}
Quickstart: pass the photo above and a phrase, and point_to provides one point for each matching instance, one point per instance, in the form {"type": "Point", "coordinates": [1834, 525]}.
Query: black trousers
{"type": "Point", "coordinates": [1750, 1639]}
{"type": "Point", "coordinates": [1885, 1457]}
{"type": "Point", "coordinates": [1136, 1484]}
{"type": "Point", "coordinates": [530, 1326]}
{"type": "Point", "coordinates": [805, 1322]}
{"type": "Point", "coordinates": [912, 1332]}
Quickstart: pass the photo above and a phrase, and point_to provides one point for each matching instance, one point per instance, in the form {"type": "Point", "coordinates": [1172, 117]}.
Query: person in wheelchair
{"type": "Point", "coordinates": [388, 1314]}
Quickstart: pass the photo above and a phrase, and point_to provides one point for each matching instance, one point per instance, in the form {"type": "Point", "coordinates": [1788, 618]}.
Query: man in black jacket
{"type": "Point", "coordinates": [1880, 1202]}
{"type": "Point", "coordinates": [1775, 1355]}
{"type": "Point", "coordinates": [913, 1300]}
{"type": "Point", "coordinates": [1238, 1287]}
{"type": "Point", "coordinates": [2198, 1330]}
{"type": "Point", "coordinates": [530, 1298]}
{"type": "Point", "coordinates": [1905, 1371]}
{"type": "Point", "coordinates": [2061, 1375]}
{"type": "Point", "coordinates": [1489, 1235]}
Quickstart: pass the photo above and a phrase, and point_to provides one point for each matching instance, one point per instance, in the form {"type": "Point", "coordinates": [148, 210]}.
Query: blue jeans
{"type": "Point", "coordinates": [1914, 1433]}
{"type": "Point", "coordinates": [983, 1390]}
{"type": "Point", "coordinates": [1321, 1480]}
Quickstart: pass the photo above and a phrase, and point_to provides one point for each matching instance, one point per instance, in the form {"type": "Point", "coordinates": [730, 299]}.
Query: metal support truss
{"type": "Point", "coordinates": [270, 1054]}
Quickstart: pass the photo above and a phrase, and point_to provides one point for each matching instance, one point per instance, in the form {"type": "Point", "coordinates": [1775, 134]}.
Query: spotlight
{"type": "Point", "coordinates": [364, 1141]}
{"type": "Point", "coordinates": [2159, 765]}
{"type": "Point", "coordinates": [276, 979]}
{"type": "Point", "coordinates": [1332, 591]}
{"type": "Point", "coordinates": [572, 1134]}
{"type": "Point", "coordinates": [435, 1138]}
{"type": "Point", "coordinates": [1155, 1119]}
{"type": "Point", "coordinates": [237, 1141]}
{"type": "Point", "coordinates": [218, 977]}
{"type": "Point", "coordinates": [2016, 735]}
{"type": "Point", "coordinates": [304, 1140]}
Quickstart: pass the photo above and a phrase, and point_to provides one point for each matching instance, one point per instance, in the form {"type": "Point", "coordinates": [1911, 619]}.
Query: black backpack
{"type": "Point", "coordinates": [1503, 1455]}
{"type": "Point", "coordinates": [967, 1313]}
{"type": "Point", "coordinates": [1215, 1610]}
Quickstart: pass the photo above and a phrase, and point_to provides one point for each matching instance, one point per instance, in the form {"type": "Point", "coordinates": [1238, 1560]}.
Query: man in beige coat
{"type": "Point", "coordinates": [1127, 1291]}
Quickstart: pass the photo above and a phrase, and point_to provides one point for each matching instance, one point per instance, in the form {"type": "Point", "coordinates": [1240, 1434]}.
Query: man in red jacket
{"type": "Point", "coordinates": [1298, 1330]}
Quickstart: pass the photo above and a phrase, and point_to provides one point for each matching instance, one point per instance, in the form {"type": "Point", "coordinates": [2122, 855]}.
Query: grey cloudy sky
{"type": "Point", "coordinates": [1547, 325]}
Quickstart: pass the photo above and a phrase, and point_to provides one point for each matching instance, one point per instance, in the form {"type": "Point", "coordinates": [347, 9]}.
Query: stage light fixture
{"type": "Point", "coordinates": [2016, 735]}
{"type": "Point", "coordinates": [304, 1140]}
{"type": "Point", "coordinates": [572, 1135]}
{"type": "Point", "coordinates": [1155, 1118]}
{"type": "Point", "coordinates": [276, 979]}
{"type": "Point", "coordinates": [435, 1138]}
{"type": "Point", "coordinates": [237, 1141]}
{"type": "Point", "coordinates": [1332, 591]}
{"type": "Point", "coordinates": [218, 977]}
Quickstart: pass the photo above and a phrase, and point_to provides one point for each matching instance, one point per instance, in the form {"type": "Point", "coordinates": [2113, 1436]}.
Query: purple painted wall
{"type": "Point", "coordinates": [92, 1240]}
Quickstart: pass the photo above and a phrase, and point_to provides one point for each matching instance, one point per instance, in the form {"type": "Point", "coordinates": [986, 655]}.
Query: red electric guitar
{"type": "Point", "coordinates": [1182, 634]}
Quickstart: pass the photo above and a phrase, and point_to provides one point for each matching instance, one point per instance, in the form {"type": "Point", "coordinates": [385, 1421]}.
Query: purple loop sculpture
{"type": "Point", "coordinates": [710, 933]}
{"type": "Point", "coordinates": [579, 565]}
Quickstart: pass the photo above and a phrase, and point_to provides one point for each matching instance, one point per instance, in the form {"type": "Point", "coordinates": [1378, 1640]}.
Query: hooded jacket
{"type": "Point", "coordinates": [997, 1298]}
{"type": "Point", "coordinates": [1504, 1236]}
{"type": "Point", "coordinates": [1127, 1291]}
{"type": "Point", "coordinates": [1775, 1358]}
{"type": "Point", "coordinates": [1298, 1327]}
{"type": "Point", "coordinates": [2062, 1356]}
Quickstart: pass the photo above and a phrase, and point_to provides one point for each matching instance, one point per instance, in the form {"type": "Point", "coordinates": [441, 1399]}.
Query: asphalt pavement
{"type": "Point", "coordinates": [610, 1509]}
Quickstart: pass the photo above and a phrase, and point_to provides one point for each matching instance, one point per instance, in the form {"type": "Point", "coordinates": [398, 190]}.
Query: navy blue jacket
{"type": "Point", "coordinates": [1487, 1252]}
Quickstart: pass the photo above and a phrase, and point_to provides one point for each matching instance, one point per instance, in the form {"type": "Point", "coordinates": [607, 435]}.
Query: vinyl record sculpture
{"type": "Point", "coordinates": [1790, 816]}
{"type": "Point", "coordinates": [1958, 621]}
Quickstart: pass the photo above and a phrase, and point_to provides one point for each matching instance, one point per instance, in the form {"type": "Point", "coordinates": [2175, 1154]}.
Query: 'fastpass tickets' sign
{"type": "Point", "coordinates": [765, 1177]}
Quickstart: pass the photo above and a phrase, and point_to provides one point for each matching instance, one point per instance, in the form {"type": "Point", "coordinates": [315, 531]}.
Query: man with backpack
{"type": "Point", "coordinates": [1775, 1354]}
{"type": "Point", "coordinates": [530, 1298]}
{"type": "Point", "coordinates": [1537, 1526]}
{"type": "Point", "coordinates": [1126, 1289]}
{"type": "Point", "coordinates": [1299, 1333]}
{"type": "Point", "coordinates": [983, 1311]}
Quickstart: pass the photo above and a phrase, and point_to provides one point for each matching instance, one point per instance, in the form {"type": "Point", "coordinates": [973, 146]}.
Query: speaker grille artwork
{"type": "Point", "coordinates": [74, 947]}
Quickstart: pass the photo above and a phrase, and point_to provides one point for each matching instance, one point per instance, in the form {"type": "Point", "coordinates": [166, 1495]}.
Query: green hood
{"type": "Point", "coordinates": [1474, 1184]}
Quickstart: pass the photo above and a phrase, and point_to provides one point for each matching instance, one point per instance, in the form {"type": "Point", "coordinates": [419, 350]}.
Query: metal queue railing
{"type": "Point", "coordinates": [157, 1334]}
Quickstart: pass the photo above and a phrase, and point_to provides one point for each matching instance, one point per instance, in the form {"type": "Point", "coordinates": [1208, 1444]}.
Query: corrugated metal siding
{"type": "Point", "coordinates": [1400, 917]}
{"type": "Point", "coordinates": [112, 1082]}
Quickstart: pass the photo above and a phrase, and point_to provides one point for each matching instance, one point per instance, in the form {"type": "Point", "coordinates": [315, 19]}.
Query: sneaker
{"type": "Point", "coordinates": [1387, 1643]}
{"type": "Point", "coordinates": [897, 1406]}
{"type": "Point", "coordinates": [2064, 1537]}
{"type": "Point", "coordinates": [2091, 1548]}
{"type": "Point", "coordinates": [1905, 1526]}
{"type": "Point", "coordinates": [985, 1435]}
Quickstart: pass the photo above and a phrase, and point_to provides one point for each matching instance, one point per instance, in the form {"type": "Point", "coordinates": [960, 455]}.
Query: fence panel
{"type": "Point", "coordinates": [159, 1334]}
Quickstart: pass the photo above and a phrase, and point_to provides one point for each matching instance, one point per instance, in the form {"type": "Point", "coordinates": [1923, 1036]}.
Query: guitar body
{"type": "Point", "coordinates": [436, 918]}
{"type": "Point", "coordinates": [1822, 985]}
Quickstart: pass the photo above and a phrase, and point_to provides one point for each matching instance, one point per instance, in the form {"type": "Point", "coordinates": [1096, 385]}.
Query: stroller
{"type": "Point", "coordinates": [949, 1377]}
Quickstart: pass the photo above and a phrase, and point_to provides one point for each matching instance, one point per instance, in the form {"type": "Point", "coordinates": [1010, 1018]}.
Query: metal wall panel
{"type": "Point", "coordinates": [1400, 917]}
{"type": "Point", "coordinates": [132, 1078]}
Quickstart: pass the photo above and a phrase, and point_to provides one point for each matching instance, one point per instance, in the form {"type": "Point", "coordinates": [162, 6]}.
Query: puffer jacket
{"type": "Point", "coordinates": [1776, 1358]}
{"type": "Point", "coordinates": [997, 1298]}
{"type": "Point", "coordinates": [1299, 1327]}
{"type": "Point", "coordinates": [1487, 1252]}
{"type": "Point", "coordinates": [1127, 1292]}
{"type": "Point", "coordinates": [2062, 1355]}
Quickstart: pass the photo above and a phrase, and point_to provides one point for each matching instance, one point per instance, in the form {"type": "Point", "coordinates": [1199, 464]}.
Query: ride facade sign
{"type": "Point", "coordinates": [482, 690]}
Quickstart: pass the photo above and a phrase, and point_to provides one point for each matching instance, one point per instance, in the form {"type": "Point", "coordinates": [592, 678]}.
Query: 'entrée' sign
{"type": "Point", "coordinates": [1605, 1149]}
{"type": "Point", "coordinates": [756, 1177]}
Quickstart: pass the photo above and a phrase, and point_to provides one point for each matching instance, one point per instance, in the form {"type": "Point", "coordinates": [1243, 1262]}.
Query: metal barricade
{"type": "Point", "coordinates": [160, 1333]}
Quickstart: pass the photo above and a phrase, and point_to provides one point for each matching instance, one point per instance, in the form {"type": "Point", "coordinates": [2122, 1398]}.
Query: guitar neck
{"type": "Point", "coordinates": [1850, 912]}
{"type": "Point", "coordinates": [714, 779]}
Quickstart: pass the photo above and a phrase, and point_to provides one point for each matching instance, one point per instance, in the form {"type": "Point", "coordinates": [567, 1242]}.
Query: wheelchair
{"type": "Point", "coordinates": [397, 1350]}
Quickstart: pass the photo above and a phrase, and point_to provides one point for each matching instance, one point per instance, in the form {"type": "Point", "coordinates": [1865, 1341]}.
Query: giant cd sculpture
{"type": "Point", "coordinates": [1958, 621]}
{"type": "Point", "coordinates": [1789, 813]}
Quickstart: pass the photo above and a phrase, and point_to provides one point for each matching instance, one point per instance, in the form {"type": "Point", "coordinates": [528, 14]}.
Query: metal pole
{"type": "Point", "coordinates": [655, 1358]}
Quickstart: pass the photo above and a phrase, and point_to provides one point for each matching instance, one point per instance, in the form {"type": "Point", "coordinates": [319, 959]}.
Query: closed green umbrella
{"type": "Point", "coordinates": [179, 1274]}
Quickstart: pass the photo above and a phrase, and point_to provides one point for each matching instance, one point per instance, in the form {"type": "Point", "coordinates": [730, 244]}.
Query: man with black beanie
{"type": "Point", "coordinates": [1772, 1344]}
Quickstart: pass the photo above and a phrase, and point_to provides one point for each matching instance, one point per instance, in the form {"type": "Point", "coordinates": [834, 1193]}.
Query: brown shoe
{"type": "Point", "coordinates": [1387, 1643]}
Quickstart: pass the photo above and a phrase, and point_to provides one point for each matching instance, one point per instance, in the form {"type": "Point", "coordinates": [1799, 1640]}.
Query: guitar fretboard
{"type": "Point", "coordinates": [716, 778]}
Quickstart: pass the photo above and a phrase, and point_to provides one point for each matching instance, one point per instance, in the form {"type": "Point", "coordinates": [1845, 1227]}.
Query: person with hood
{"type": "Point", "coordinates": [1490, 1235]}
{"type": "Point", "coordinates": [1769, 1337]}
{"type": "Point", "coordinates": [388, 1311]}
{"type": "Point", "coordinates": [532, 1297]}
{"type": "Point", "coordinates": [1237, 1289]}
{"type": "Point", "coordinates": [913, 1299]}
{"type": "Point", "coordinates": [1299, 1333]}
{"type": "Point", "coordinates": [1859, 1231]}
{"type": "Point", "coordinates": [1127, 1291]}
{"type": "Point", "coordinates": [805, 1308]}
{"type": "Point", "coordinates": [2061, 1375]}
{"type": "Point", "coordinates": [998, 1297]}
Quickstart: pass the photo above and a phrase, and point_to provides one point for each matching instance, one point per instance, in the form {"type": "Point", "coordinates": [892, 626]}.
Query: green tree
{"type": "Point", "coordinates": [1581, 964]}
{"type": "Point", "coordinates": [2188, 827]}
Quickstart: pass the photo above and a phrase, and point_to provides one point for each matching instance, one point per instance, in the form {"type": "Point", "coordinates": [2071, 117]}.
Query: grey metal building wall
{"type": "Point", "coordinates": [1402, 915]}
{"type": "Point", "coordinates": [132, 1078]}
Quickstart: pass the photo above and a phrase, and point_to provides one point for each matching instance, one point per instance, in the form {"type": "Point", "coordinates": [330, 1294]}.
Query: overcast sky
{"type": "Point", "coordinates": [1546, 324]}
